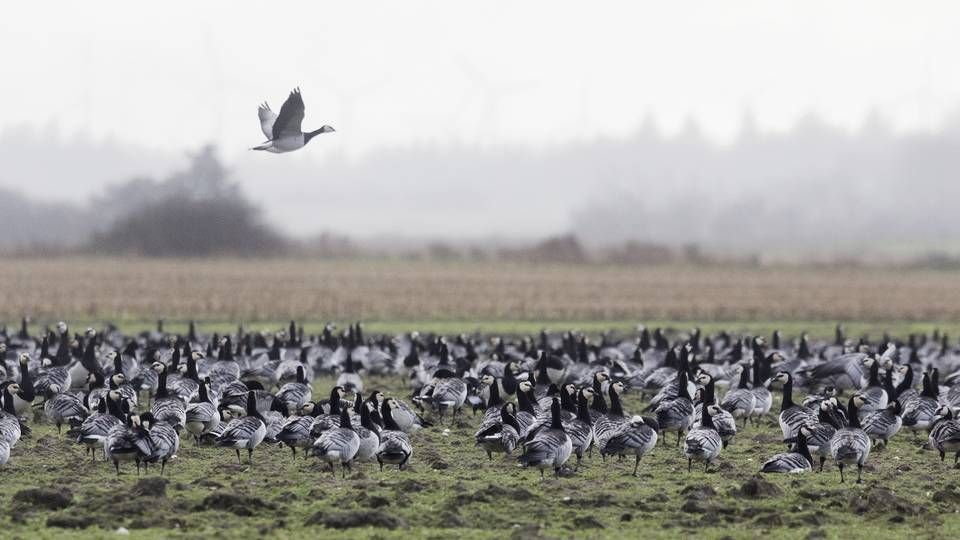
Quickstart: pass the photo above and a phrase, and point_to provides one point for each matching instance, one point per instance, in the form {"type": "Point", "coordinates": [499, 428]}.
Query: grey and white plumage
{"type": "Point", "coordinates": [882, 425]}
{"type": "Point", "coordinates": [549, 448]}
{"type": "Point", "coordinates": [167, 407]}
{"type": "Point", "coordinates": [164, 440]}
{"type": "Point", "coordinates": [64, 407]}
{"type": "Point", "coordinates": [296, 394]}
{"type": "Point", "coordinates": [945, 433]}
{"type": "Point", "coordinates": [95, 428]}
{"type": "Point", "coordinates": [283, 130]}
{"type": "Point", "coordinates": [245, 432]}
{"type": "Point", "coordinates": [338, 445]}
{"type": "Point", "coordinates": [580, 428]}
{"type": "Point", "coordinates": [202, 417]}
{"type": "Point", "coordinates": [703, 443]}
{"type": "Point", "coordinates": [394, 447]}
{"type": "Point", "coordinates": [127, 441]}
{"type": "Point", "coordinates": [10, 429]}
{"type": "Point", "coordinates": [792, 416]}
{"type": "Point", "coordinates": [609, 424]}
{"type": "Point", "coordinates": [740, 402]}
{"type": "Point", "coordinates": [676, 414]}
{"type": "Point", "coordinates": [851, 445]}
{"type": "Point", "coordinates": [369, 434]}
{"type": "Point", "coordinates": [501, 435]}
{"type": "Point", "coordinates": [797, 461]}
{"type": "Point", "coordinates": [637, 438]}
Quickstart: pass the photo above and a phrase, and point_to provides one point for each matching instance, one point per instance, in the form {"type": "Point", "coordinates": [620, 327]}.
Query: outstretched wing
{"type": "Point", "coordinates": [290, 117]}
{"type": "Point", "coordinates": [267, 119]}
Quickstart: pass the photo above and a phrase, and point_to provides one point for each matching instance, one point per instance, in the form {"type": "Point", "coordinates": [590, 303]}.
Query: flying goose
{"type": "Point", "coordinates": [283, 131]}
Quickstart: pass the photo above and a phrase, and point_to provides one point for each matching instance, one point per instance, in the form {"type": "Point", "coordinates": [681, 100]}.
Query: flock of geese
{"type": "Point", "coordinates": [545, 399]}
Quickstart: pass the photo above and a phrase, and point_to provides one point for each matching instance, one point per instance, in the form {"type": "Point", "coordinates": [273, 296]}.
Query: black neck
{"type": "Point", "coordinates": [787, 394]}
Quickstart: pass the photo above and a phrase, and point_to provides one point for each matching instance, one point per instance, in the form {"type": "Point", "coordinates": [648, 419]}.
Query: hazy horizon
{"type": "Point", "coordinates": [468, 121]}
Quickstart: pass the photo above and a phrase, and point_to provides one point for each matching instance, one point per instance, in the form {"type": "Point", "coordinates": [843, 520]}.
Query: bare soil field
{"type": "Point", "coordinates": [310, 290]}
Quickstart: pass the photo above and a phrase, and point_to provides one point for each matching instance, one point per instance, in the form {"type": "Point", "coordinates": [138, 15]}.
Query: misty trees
{"type": "Point", "coordinates": [195, 212]}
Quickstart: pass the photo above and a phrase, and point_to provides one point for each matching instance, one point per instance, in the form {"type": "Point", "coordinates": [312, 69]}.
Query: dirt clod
{"type": "Point", "coordinates": [46, 498]}
{"type": "Point", "coordinates": [758, 487]}
{"type": "Point", "coordinates": [150, 487]}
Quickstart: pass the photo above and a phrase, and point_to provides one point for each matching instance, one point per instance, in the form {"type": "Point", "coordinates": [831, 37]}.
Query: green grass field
{"type": "Point", "coordinates": [452, 489]}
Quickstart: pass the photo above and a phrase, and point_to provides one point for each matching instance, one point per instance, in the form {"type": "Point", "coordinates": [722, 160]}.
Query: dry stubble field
{"type": "Point", "coordinates": [310, 290]}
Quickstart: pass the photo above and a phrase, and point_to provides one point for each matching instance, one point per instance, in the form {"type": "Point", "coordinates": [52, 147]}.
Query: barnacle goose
{"type": "Point", "coordinates": [851, 445]}
{"type": "Point", "coordinates": [608, 425]}
{"type": "Point", "coordinates": [368, 432]}
{"type": "Point", "coordinates": [945, 433]}
{"type": "Point", "coordinates": [501, 435]}
{"type": "Point", "coordinates": [164, 441]}
{"type": "Point", "coordinates": [580, 428]}
{"type": "Point", "coordinates": [10, 429]}
{"type": "Point", "coordinates": [394, 447]}
{"type": "Point", "coordinates": [764, 399]}
{"type": "Point", "coordinates": [65, 408]}
{"type": "Point", "coordinates": [676, 414]}
{"type": "Point", "coordinates": [740, 402]}
{"type": "Point", "coordinates": [202, 417]}
{"type": "Point", "coordinates": [797, 461]}
{"type": "Point", "coordinates": [876, 394]}
{"type": "Point", "coordinates": [920, 412]}
{"type": "Point", "coordinates": [283, 131]}
{"type": "Point", "coordinates": [792, 416]}
{"type": "Point", "coordinates": [880, 426]}
{"type": "Point", "coordinates": [338, 445]}
{"type": "Point", "coordinates": [723, 421]}
{"type": "Point", "coordinates": [637, 437]}
{"type": "Point", "coordinates": [23, 398]}
{"type": "Point", "coordinates": [331, 419]}
{"type": "Point", "coordinates": [349, 379]}
{"type": "Point", "coordinates": [95, 428]}
{"type": "Point", "coordinates": [526, 413]}
{"type": "Point", "coordinates": [295, 432]}
{"type": "Point", "coordinates": [127, 441]}
{"type": "Point", "coordinates": [296, 394]}
{"type": "Point", "coordinates": [245, 432]}
{"type": "Point", "coordinates": [549, 448]}
{"type": "Point", "coordinates": [166, 406]}
{"type": "Point", "coordinates": [449, 392]}
{"type": "Point", "coordinates": [703, 443]}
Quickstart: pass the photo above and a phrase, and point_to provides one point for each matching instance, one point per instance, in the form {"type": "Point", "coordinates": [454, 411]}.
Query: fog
{"type": "Point", "coordinates": [797, 129]}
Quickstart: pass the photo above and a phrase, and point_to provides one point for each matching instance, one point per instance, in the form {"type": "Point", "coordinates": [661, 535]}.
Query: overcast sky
{"type": "Point", "coordinates": [170, 76]}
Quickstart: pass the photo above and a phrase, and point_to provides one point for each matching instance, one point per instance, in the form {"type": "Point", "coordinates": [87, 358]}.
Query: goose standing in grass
{"type": "Point", "coordinates": [792, 416]}
{"type": "Point", "coordinates": [676, 414]}
{"type": "Point", "coordinates": [876, 394]}
{"type": "Point", "coordinates": [95, 428]}
{"type": "Point", "coordinates": [167, 406]}
{"type": "Point", "coordinates": [245, 432]}
{"type": "Point", "coordinates": [723, 421]}
{"type": "Point", "coordinates": [501, 435]}
{"type": "Point", "coordinates": [797, 461]}
{"type": "Point", "coordinates": [703, 443]}
{"type": "Point", "coordinates": [127, 441]}
{"type": "Point", "coordinates": [283, 131]}
{"type": "Point", "coordinates": [4, 452]}
{"type": "Point", "coordinates": [338, 445]}
{"type": "Point", "coordinates": [762, 395]}
{"type": "Point", "coordinates": [296, 394]}
{"type": "Point", "coordinates": [741, 401]}
{"type": "Point", "coordinates": [580, 428]}
{"type": "Point", "coordinates": [395, 447]}
{"type": "Point", "coordinates": [449, 392]}
{"type": "Point", "coordinates": [202, 417]}
{"type": "Point", "coordinates": [881, 426]}
{"type": "Point", "coordinates": [945, 434]}
{"type": "Point", "coordinates": [25, 396]}
{"type": "Point", "coordinates": [608, 425]}
{"type": "Point", "coordinates": [549, 448]}
{"type": "Point", "coordinates": [638, 438]}
{"type": "Point", "coordinates": [349, 379]}
{"type": "Point", "coordinates": [296, 431]}
{"type": "Point", "coordinates": [10, 430]}
{"type": "Point", "coordinates": [164, 441]}
{"type": "Point", "coordinates": [920, 412]}
{"type": "Point", "coordinates": [369, 434]}
{"type": "Point", "coordinates": [65, 408]}
{"type": "Point", "coordinates": [851, 445]}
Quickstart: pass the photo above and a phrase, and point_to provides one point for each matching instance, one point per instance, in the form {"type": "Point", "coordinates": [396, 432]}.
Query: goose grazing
{"type": "Point", "coordinates": [338, 445]}
{"type": "Point", "coordinates": [798, 461]}
{"type": "Point", "coordinates": [851, 445]}
{"type": "Point", "coordinates": [395, 447]}
{"type": "Point", "coordinates": [637, 438]}
{"type": "Point", "coordinates": [65, 408]}
{"type": "Point", "coordinates": [740, 402]}
{"type": "Point", "coordinates": [703, 443]}
{"type": "Point", "coordinates": [202, 417]}
{"type": "Point", "coordinates": [501, 435]}
{"type": "Point", "coordinates": [549, 448]}
{"type": "Point", "coordinates": [245, 432]}
{"type": "Point", "coordinates": [95, 428]}
{"type": "Point", "coordinates": [945, 433]}
{"type": "Point", "coordinates": [295, 432]}
{"type": "Point", "coordinates": [283, 131]}
{"type": "Point", "coordinates": [677, 413]}
{"type": "Point", "coordinates": [127, 441]}
{"type": "Point", "coordinates": [880, 426]}
{"type": "Point", "coordinates": [163, 440]}
{"type": "Point", "coordinates": [792, 416]}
